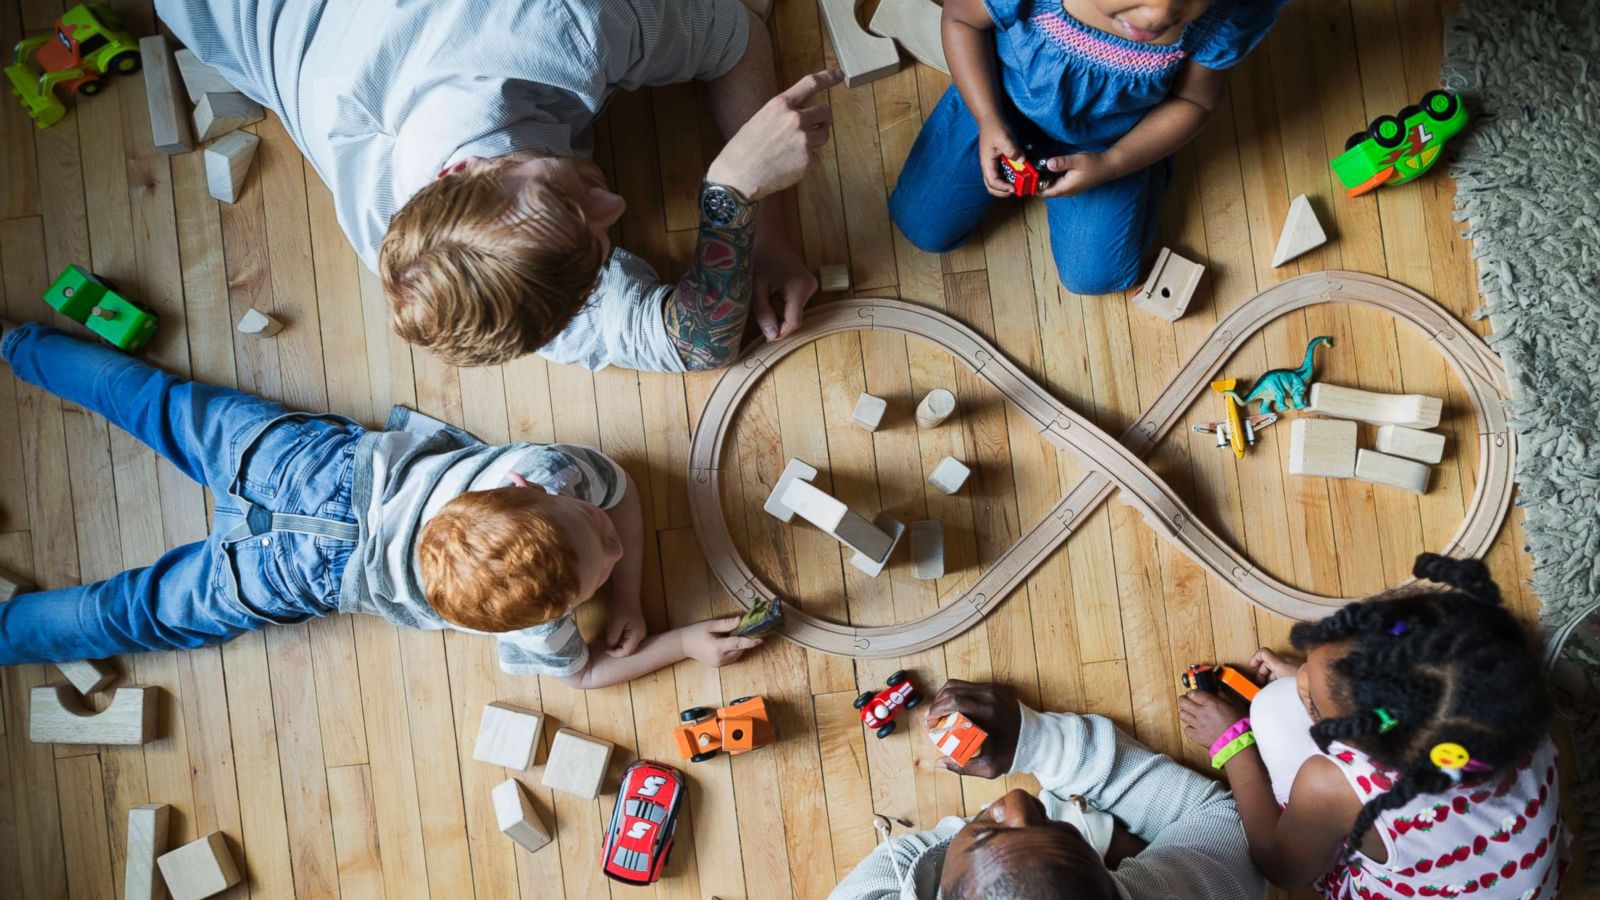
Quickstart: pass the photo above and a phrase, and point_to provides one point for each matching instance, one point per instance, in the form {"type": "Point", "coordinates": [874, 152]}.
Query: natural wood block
{"type": "Point", "coordinates": [1410, 410]}
{"type": "Point", "coordinates": [935, 408]}
{"type": "Point", "coordinates": [949, 475]}
{"type": "Point", "coordinates": [1301, 232]}
{"type": "Point", "coordinates": [147, 839]}
{"type": "Point", "coordinates": [517, 818]}
{"type": "Point", "coordinates": [927, 550]}
{"type": "Point", "coordinates": [257, 323]}
{"type": "Point", "coordinates": [914, 25]}
{"type": "Point", "coordinates": [1322, 447]}
{"type": "Point", "coordinates": [1171, 285]}
{"type": "Point", "coordinates": [89, 676]}
{"type": "Point", "coordinates": [12, 584]}
{"type": "Point", "coordinates": [1381, 468]}
{"type": "Point", "coordinates": [815, 505]}
{"type": "Point", "coordinates": [869, 411]}
{"type": "Point", "coordinates": [870, 542]}
{"type": "Point", "coordinates": [55, 716]}
{"type": "Point", "coordinates": [835, 279]}
{"type": "Point", "coordinates": [200, 79]}
{"type": "Point", "coordinates": [577, 763]}
{"type": "Point", "coordinates": [199, 868]}
{"type": "Point", "coordinates": [218, 114]}
{"type": "Point", "coordinates": [228, 162]}
{"type": "Point", "coordinates": [1411, 443]}
{"type": "Point", "coordinates": [507, 736]}
{"type": "Point", "coordinates": [862, 56]}
{"type": "Point", "coordinates": [169, 112]}
{"type": "Point", "coordinates": [884, 528]}
{"type": "Point", "coordinates": [796, 470]}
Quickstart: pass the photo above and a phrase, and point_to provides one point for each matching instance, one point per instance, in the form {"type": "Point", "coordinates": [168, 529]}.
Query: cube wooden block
{"type": "Point", "coordinates": [218, 114]}
{"type": "Point", "coordinates": [199, 869]}
{"type": "Point", "coordinates": [12, 584]}
{"type": "Point", "coordinates": [577, 763]}
{"type": "Point", "coordinates": [89, 676]}
{"type": "Point", "coordinates": [169, 111]}
{"type": "Point", "coordinates": [147, 839]}
{"type": "Point", "coordinates": [508, 736]}
{"type": "Point", "coordinates": [1381, 468]}
{"type": "Point", "coordinates": [935, 408]}
{"type": "Point", "coordinates": [1411, 443]}
{"type": "Point", "coordinates": [200, 79]}
{"type": "Point", "coordinates": [1410, 410]}
{"type": "Point", "coordinates": [227, 163]}
{"type": "Point", "coordinates": [1323, 447]}
{"type": "Point", "coordinates": [55, 716]}
{"type": "Point", "coordinates": [517, 818]}
{"type": "Point", "coordinates": [869, 411]}
{"type": "Point", "coordinates": [1171, 285]}
{"type": "Point", "coordinates": [927, 550]}
{"type": "Point", "coordinates": [834, 279]}
{"type": "Point", "coordinates": [949, 475]}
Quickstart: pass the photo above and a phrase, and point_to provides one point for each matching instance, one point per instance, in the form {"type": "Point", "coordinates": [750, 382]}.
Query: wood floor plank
{"type": "Point", "coordinates": [355, 831]}
{"type": "Point", "coordinates": [83, 828]}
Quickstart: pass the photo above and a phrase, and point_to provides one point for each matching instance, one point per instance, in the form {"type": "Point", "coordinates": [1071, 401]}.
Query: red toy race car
{"type": "Point", "coordinates": [1024, 177]}
{"type": "Point", "coordinates": [639, 839]}
{"type": "Point", "coordinates": [878, 710]}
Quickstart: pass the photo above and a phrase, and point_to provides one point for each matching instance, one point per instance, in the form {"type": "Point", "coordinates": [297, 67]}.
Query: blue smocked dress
{"type": "Point", "coordinates": [1067, 88]}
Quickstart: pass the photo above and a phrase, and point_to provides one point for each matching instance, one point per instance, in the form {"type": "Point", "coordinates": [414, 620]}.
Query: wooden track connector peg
{"type": "Point", "coordinates": [1381, 468]}
{"type": "Point", "coordinates": [833, 279]}
{"type": "Point", "coordinates": [218, 114]}
{"type": "Point", "coordinates": [1171, 285]}
{"type": "Point", "coordinates": [914, 25]}
{"type": "Point", "coordinates": [927, 550]}
{"type": "Point", "coordinates": [88, 676]}
{"type": "Point", "coordinates": [869, 411]}
{"type": "Point", "coordinates": [55, 716]}
{"type": "Point", "coordinates": [1422, 446]}
{"type": "Point", "coordinates": [200, 79]}
{"type": "Point", "coordinates": [863, 57]}
{"type": "Point", "coordinates": [169, 113]}
{"type": "Point", "coordinates": [508, 736]}
{"type": "Point", "coordinates": [12, 584]}
{"type": "Point", "coordinates": [258, 324]}
{"type": "Point", "coordinates": [1301, 232]}
{"type": "Point", "coordinates": [147, 839]}
{"type": "Point", "coordinates": [1410, 410]}
{"type": "Point", "coordinates": [228, 163]}
{"type": "Point", "coordinates": [577, 763]}
{"type": "Point", "coordinates": [949, 475]}
{"type": "Point", "coordinates": [884, 524]}
{"type": "Point", "coordinates": [517, 818]}
{"type": "Point", "coordinates": [200, 868]}
{"type": "Point", "coordinates": [937, 406]}
{"type": "Point", "coordinates": [1323, 447]}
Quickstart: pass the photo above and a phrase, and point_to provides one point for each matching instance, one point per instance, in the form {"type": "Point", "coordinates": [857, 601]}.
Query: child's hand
{"type": "Point", "coordinates": [1206, 716]}
{"type": "Point", "coordinates": [994, 141]}
{"type": "Point", "coordinates": [1270, 666]}
{"type": "Point", "coordinates": [1075, 173]}
{"type": "Point", "coordinates": [625, 628]}
{"type": "Point", "coordinates": [710, 643]}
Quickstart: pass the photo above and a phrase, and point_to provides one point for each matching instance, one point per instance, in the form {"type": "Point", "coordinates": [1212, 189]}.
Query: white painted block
{"type": "Point", "coordinates": [949, 475]}
{"type": "Point", "coordinates": [507, 736]}
{"type": "Point", "coordinates": [577, 763]}
{"type": "Point", "coordinates": [869, 411]}
{"type": "Point", "coordinates": [1381, 468]}
{"type": "Point", "coordinates": [1322, 447]}
{"type": "Point", "coordinates": [1411, 443]}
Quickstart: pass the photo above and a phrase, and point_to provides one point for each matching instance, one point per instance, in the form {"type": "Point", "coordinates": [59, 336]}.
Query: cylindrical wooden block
{"type": "Point", "coordinates": [935, 408]}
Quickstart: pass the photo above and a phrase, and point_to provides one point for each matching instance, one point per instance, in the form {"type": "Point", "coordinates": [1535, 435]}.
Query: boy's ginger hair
{"type": "Point", "coordinates": [481, 276]}
{"type": "Point", "coordinates": [491, 561]}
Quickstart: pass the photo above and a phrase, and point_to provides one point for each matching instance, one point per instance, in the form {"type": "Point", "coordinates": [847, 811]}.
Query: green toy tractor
{"type": "Point", "coordinates": [82, 297]}
{"type": "Point", "coordinates": [1395, 149]}
{"type": "Point", "coordinates": [88, 42]}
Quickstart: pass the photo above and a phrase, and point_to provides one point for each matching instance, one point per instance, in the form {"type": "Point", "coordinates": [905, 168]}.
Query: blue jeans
{"type": "Point", "coordinates": [1098, 237]}
{"type": "Point", "coordinates": [283, 528]}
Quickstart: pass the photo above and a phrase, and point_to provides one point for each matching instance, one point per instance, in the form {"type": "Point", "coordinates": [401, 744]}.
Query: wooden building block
{"type": "Point", "coordinates": [935, 408]}
{"type": "Point", "coordinates": [1301, 232]}
{"type": "Point", "coordinates": [507, 736]}
{"type": "Point", "coordinates": [957, 737]}
{"type": "Point", "coordinates": [218, 114]}
{"type": "Point", "coordinates": [577, 763]}
{"type": "Point", "coordinates": [796, 470]}
{"type": "Point", "coordinates": [834, 279]}
{"type": "Point", "coordinates": [862, 56]}
{"type": "Point", "coordinates": [147, 839]}
{"type": "Point", "coordinates": [199, 868]}
{"type": "Point", "coordinates": [869, 411]}
{"type": "Point", "coordinates": [1323, 447]}
{"type": "Point", "coordinates": [169, 112]}
{"type": "Point", "coordinates": [200, 79]}
{"type": "Point", "coordinates": [12, 584]}
{"type": "Point", "coordinates": [815, 505]}
{"type": "Point", "coordinates": [1381, 468]}
{"type": "Point", "coordinates": [55, 716]}
{"type": "Point", "coordinates": [257, 323]}
{"type": "Point", "coordinates": [517, 818]}
{"type": "Point", "coordinates": [949, 475]}
{"type": "Point", "coordinates": [89, 676]}
{"type": "Point", "coordinates": [927, 550]}
{"type": "Point", "coordinates": [228, 162]}
{"type": "Point", "coordinates": [1170, 287]}
{"type": "Point", "coordinates": [1410, 410]}
{"type": "Point", "coordinates": [885, 533]}
{"type": "Point", "coordinates": [1422, 446]}
{"type": "Point", "coordinates": [914, 25]}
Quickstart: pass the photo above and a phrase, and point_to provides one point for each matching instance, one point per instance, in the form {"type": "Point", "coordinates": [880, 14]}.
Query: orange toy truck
{"type": "Point", "coordinates": [957, 737]}
{"type": "Point", "coordinates": [739, 727]}
{"type": "Point", "coordinates": [1211, 679]}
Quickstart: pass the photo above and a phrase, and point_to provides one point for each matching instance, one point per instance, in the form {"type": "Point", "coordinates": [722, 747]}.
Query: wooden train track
{"type": "Point", "coordinates": [1111, 463]}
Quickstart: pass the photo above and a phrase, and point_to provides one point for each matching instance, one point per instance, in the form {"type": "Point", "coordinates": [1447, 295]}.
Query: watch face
{"type": "Point", "coordinates": [717, 205]}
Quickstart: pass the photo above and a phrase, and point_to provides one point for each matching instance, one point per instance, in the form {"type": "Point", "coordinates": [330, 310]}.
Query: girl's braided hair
{"type": "Point", "coordinates": [1446, 665]}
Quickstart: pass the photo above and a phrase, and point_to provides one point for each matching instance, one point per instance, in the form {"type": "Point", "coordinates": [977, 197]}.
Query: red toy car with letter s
{"type": "Point", "coordinates": [878, 710]}
{"type": "Point", "coordinates": [639, 839]}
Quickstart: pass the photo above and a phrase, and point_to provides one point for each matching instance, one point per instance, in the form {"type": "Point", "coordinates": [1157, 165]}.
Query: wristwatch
{"type": "Point", "coordinates": [725, 207]}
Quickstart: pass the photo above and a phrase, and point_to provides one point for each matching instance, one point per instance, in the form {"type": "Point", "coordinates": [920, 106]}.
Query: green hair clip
{"type": "Point", "coordinates": [1386, 722]}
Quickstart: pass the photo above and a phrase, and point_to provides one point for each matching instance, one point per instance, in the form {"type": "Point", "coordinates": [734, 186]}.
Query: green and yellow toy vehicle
{"type": "Point", "coordinates": [82, 297]}
{"type": "Point", "coordinates": [1395, 149]}
{"type": "Point", "coordinates": [88, 42]}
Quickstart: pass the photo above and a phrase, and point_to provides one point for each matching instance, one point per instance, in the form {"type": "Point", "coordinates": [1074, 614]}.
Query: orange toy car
{"type": "Point", "coordinates": [957, 737]}
{"type": "Point", "coordinates": [1211, 679]}
{"type": "Point", "coordinates": [739, 727]}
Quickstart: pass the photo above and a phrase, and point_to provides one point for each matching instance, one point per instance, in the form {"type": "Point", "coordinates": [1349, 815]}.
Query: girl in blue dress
{"type": "Point", "coordinates": [1098, 92]}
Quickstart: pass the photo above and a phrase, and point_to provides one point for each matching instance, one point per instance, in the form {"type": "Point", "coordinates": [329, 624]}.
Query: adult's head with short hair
{"type": "Point", "coordinates": [1013, 850]}
{"type": "Point", "coordinates": [492, 259]}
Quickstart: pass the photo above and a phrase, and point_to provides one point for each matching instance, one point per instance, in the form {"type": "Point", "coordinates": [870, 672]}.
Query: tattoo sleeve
{"type": "Point", "coordinates": [705, 314]}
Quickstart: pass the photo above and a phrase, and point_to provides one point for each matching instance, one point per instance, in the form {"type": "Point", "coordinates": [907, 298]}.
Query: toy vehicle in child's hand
{"type": "Point", "coordinates": [84, 297]}
{"type": "Point", "coordinates": [1395, 149]}
{"type": "Point", "coordinates": [88, 42]}
{"type": "Point", "coordinates": [957, 737]}
{"type": "Point", "coordinates": [1212, 679]}
{"type": "Point", "coordinates": [1024, 177]}
{"type": "Point", "coordinates": [638, 841]}
{"type": "Point", "coordinates": [878, 710]}
{"type": "Point", "coordinates": [739, 727]}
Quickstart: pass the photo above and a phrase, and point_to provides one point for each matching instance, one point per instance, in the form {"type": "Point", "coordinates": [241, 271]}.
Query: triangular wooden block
{"type": "Point", "coordinates": [227, 164]}
{"type": "Point", "coordinates": [200, 79]}
{"type": "Point", "coordinates": [1301, 232]}
{"type": "Point", "coordinates": [219, 114]}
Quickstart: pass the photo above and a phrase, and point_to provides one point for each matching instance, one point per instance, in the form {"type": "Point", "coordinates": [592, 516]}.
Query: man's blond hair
{"type": "Point", "coordinates": [480, 275]}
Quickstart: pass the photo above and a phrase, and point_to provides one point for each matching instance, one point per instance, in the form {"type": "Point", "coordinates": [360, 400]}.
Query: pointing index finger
{"type": "Point", "coordinates": [811, 85]}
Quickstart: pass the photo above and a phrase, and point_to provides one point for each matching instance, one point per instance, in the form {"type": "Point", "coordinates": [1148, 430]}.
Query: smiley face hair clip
{"type": "Point", "coordinates": [1453, 759]}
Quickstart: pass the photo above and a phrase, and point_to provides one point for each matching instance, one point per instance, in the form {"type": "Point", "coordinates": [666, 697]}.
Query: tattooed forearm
{"type": "Point", "coordinates": [705, 315]}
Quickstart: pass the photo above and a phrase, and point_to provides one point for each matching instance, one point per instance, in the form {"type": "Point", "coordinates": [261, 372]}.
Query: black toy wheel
{"type": "Point", "coordinates": [897, 678]}
{"type": "Point", "coordinates": [702, 757]}
{"type": "Point", "coordinates": [125, 63]}
{"type": "Point", "coordinates": [913, 700]}
{"type": "Point", "coordinates": [694, 715]}
{"type": "Point", "coordinates": [1409, 111]}
{"type": "Point", "coordinates": [885, 731]}
{"type": "Point", "coordinates": [863, 700]}
{"type": "Point", "coordinates": [1388, 131]}
{"type": "Point", "coordinates": [740, 700]}
{"type": "Point", "coordinates": [90, 88]}
{"type": "Point", "coordinates": [1354, 139]}
{"type": "Point", "coordinates": [1440, 105]}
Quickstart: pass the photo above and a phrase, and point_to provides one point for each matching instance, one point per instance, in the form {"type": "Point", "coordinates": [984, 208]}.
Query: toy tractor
{"type": "Point", "coordinates": [88, 42]}
{"type": "Point", "coordinates": [1395, 149]}
{"type": "Point", "coordinates": [82, 297]}
{"type": "Point", "coordinates": [739, 727]}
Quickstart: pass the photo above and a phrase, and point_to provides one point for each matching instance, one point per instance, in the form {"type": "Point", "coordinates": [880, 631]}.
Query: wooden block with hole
{"type": "Point", "coordinates": [949, 475]}
{"type": "Point", "coordinates": [927, 550]}
{"type": "Point", "coordinates": [1171, 285]}
{"type": "Point", "coordinates": [218, 114]}
{"type": "Point", "coordinates": [863, 57]}
{"type": "Point", "coordinates": [1410, 410]}
{"type": "Point", "coordinates": [517, 818]}
{"type": "Point", "coordinates": [200, 79]}
{"type": "Point", "coordinates": [56, 716]}
{"type": "Point", "coordinates": [869, 411]}
{"type": "Point", "coordinates": [914, 25]}
{"type": "Point", "coordinates": [199, 869]}
{"type": "Point", "coordinates": [1392, 471]}
{"type": "Point", "coordinates": [577, 763]}
{"type": "Point", "coordinates": [1322, 447]}
{"type": "Point", "coordinates": [256, 323]}
{"type": "Point", "coordinates": [834, 279]}
{"type": "Point", "coordinates": [169, 112]}
{"type": "Point", "coordinates": [228, 162]}
{"type": "Point", "coordinates": [147, 839]}
{"type": "Point", "coordinates": [12, 584]}
{"type": "Point", "coordinates": [1411, 443]}
{"type": "Point", "coordinates": [1301, 232]}
{"type": "Point", "coordinates": [88, 676]}
{"type": "Point", "coordinates": [937, 406]}
{"type": "Point", "coordinates": [507, 736]}
{"type": "Point", "coordinates": [796, 470]}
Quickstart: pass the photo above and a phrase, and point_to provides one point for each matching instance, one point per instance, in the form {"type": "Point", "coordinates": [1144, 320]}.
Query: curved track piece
{"type": "Point", "coordinates": [1111, 463]}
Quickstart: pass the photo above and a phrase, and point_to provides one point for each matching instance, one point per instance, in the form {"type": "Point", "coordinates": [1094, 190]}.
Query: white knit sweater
{"type": "Point", "coordinates": [1197, 848]}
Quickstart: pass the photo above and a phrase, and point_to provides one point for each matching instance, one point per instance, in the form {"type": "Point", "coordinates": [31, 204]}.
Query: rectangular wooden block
{"type": "Point", "coordinates": [1411, 443]}
{"type": "Point", "coordinates": [862, 56]}
{"type": "Point", "coordinates": [865, 538]}
{"type": "Point", "coordinates": [884, 527]}
{"type": "Point", "coordinates": [1171, 285]}
{"type": "Point", "coordinates": [89, 676]}
{"type": "Point", "coordinates": [200, 79]}
{"type": "Point", "coordinates": [915, 26]}
{"type": "Point", "coordinates": [815, 505]}
{"type": "Point", "coordinates": [1410, 410]}
{"type": "Point", "coordinates": [949, 475]}
{"type": "Point", "coordinates": [869, 411]}
{"type": "Point", "coordinates": [508, 736]}
{"type": "Point", "coordinates": [796, 470]}
{"type": "Point", "coordinates": [169, 111]}
{"type": "Point", "coordinates": [1381, 468]}
{"type": "Point", "coordinates": [12, 584]}
{"type": "Point", "coordinates": [927, 550]}
{"type": "Point", "coordinates": [147, 839]}
{"type": "Point", "coordinates": [517, 818]}
{"type": "Point", "coordinates": [577, 763]}
{"type": "Point", "coordinates": [55, 716]}
{"type": "Point", "coordinates": [1323, 447]}
{"type": "Point", "coordinates": [219, 114]}
{"type": "Point", "coordinates": [199, 869]}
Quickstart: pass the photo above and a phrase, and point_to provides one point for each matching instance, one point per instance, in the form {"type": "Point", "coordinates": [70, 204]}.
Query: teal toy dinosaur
{"type": "Point", "coordinates": [1282, 389]}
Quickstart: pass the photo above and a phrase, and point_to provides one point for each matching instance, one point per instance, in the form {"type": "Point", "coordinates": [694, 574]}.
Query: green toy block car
{"type": "Point", "coordinates": [1395, 149]}
{"type": "Point", "coordinates": [87, 43]}
{"type": "Point", "coordinates": [82, 296]}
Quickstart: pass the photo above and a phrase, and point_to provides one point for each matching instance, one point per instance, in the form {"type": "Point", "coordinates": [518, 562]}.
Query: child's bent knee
{"type": "Point", "coordinates": [1095, 282]}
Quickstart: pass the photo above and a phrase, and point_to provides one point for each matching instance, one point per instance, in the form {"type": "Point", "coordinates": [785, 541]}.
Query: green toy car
{"type": "Point", "coordinates": [1395, 149]}
{"type": "Point", "coordinates": [87, 43]}
{"type": "Point", "coordinates": [82, 297]}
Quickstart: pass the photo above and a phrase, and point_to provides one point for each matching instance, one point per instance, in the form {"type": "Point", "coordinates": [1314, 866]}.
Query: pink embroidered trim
{"type": "Point", "coordinates": [1072, 36]}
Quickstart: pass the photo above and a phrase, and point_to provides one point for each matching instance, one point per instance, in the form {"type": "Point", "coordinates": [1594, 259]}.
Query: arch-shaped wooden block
{"type": "Point", "coordinates": [55, 716]}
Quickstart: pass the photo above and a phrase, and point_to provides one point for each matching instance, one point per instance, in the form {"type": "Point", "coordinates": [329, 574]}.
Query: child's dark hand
{"type": "Point", "coordinates": [991, 707]}
{"type": "Point", "coordinates": [1269, 666]}
{"type": "Point", "coordinates": [1075, 173]}
{"type": "Point", "coordinates": [994, 141]}
{"type": "Point", "coordinates": [1206, 716]}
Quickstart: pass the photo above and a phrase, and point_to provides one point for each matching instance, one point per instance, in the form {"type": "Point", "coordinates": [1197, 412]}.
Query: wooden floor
{"type": "Point", "coordinates": [337, 756]}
